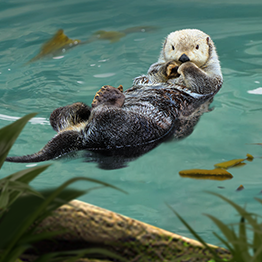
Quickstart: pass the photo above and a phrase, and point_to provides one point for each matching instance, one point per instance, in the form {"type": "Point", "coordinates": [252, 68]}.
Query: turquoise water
{"type": "Point", "coordinates": [152, 180]}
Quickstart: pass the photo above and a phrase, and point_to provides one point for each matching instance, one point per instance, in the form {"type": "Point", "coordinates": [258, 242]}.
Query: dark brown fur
{"type": "Point", "coordinates": [149, 115]}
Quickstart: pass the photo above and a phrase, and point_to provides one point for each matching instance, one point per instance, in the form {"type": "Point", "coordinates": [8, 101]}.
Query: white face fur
{"type": "Point", "coordinates": [191, 42]}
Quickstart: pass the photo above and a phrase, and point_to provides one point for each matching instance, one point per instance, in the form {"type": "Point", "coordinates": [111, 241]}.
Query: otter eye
{"type": "Point", "coordinates": [173, 47]}
{"type": "Point", "coordinates": [197, 46]}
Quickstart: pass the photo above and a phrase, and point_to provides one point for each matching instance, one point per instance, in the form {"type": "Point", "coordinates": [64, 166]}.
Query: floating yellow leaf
{"type": "Point", "coordinates": [241, 187]}
{"type": "Point", "coordinates": [229, 163]}
{"type": "Point", "coordinates": [57, 44]}
{"type": "Point", "coordinates": [249, 157]}
{"type": "Point", "coordinates": [234, 162]}
{"type": "Point", "coordinates": [214, 174]}
{"type": "Point", "coordinates": [239, 165]}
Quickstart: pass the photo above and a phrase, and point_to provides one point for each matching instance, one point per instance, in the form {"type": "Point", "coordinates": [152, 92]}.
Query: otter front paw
{"type": "Point", "coordinates": [171, 70]}
{"type": "Point", "coordinates": [187, 67]}
{"type": "Point", "coordinates": [195, 78]}
{"type": "Point", "coordinates": [110, 96]}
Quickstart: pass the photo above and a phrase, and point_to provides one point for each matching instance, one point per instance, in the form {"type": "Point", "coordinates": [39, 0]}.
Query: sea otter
{"type": "Point", "coordinates": [167, 102]}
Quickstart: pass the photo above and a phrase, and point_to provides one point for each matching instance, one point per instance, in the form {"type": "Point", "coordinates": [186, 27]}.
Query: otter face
{"type": "Point", "coordinates": [187, 45]}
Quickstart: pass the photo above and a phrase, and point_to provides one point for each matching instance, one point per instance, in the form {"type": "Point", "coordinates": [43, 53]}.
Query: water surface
{"type": "Point", "coordinates": [152, 180]}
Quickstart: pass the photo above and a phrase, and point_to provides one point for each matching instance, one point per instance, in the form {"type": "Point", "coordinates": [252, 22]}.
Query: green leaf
{"type": "Point", "coordinates": [60, 189]}
{"type": "Point", "coordinates": [9, 134]}
{"type": "Point", "coordinates": [228, 233]}
{"type": "Point", "coordinates": [48, 257]}
{"type": "Point", "coordinates": [257, 255]}
{"type": "Point", "coordinates": [16, 253]}
{"type": "Point", "coordinates": [63, 198]}
{"type": "Point", "coordinates": [243, 235]}
{"type": "Point", "coordinates": [239, 249]}
{"type": "Point", "coordinates": [85, 252]}
{"type": "Point", "coordinates": [257, 239]}
{"type": "Point", "coordinates": [252, 222]}
{"type": "Point", "coordinates": [259, 200]}
{"type": "Point", "coordinates": [26, 175]}
{"type": "Point", "coordinates": [224, 242]}
{"type": "Point", "coordinates": [196, 235]}
{"type": "Point", "coordinates": [22, 187]}
{"type": "Point", "coordinates": [31, 238]}
{"type": "Point", "coordinates": [4, 199]}
{"type": "Point", "coordinates": [30, 210]}
{"type": "Point", "coordinates": [74, 255]}
{"type": "Point", "coordinates": [256, 243]}
{"type": "Point", "coordinates": [239, 209]}
{"type": "Point", "coordinates": [16, 184]}
{"type": "Point", "coordinates": [21, 214]}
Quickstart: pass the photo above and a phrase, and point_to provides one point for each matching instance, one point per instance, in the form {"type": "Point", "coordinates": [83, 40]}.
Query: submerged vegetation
{"type": "Point", "coordinates": [60, 42]}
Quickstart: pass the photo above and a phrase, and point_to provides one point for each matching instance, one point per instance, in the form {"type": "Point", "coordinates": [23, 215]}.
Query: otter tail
{"type": "Point", "coordinates": [61, 144]}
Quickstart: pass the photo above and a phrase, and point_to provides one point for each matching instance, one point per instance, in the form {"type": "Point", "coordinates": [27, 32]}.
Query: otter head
{"type": "Point", "coordinates": [187, 45]}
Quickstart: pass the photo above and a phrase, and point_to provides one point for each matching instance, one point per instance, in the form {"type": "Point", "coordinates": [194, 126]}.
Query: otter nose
{"type": "Point", "coordinates": [184, 58]}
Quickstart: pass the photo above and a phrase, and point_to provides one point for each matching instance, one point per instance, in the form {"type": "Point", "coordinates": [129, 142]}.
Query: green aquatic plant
{"type": "Point", "coordinates": [241, 247]}
{"type": "Point", "coordinates": [22, 208]}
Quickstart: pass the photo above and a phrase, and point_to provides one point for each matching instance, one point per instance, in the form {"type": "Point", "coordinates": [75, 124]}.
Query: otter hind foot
{"type": "Point", "coordinates": [68, 116]}
{"type": "Point", "coordinates": [110, 96]}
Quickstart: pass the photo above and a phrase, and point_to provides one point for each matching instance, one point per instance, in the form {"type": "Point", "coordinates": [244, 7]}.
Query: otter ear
{"type": "Point", "coordinates": [208, 40]}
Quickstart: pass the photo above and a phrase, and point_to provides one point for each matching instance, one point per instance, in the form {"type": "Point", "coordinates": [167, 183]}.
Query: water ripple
{"type": "Point", "coordinates": [34, 120]}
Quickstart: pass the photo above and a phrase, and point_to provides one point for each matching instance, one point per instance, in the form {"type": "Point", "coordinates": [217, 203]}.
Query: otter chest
{"type": "Point", "coordinates": [157, 100]}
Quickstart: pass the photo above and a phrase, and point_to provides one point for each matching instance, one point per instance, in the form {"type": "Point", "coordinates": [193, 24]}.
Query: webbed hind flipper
{"type": "Point", "coordinates": [68, 116]}
{"type": "Point", "coordinates": [110, 96]}
{"type": "Point", "coordinates": [63, 143]}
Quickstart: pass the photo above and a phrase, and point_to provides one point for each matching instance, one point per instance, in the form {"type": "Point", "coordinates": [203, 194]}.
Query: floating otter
{"type": "Point", "coordinates": [167, 102]}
